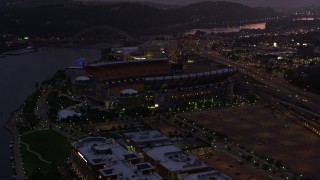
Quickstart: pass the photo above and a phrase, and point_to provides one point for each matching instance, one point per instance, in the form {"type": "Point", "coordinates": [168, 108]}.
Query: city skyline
{"type": "Point", "coordinates": [253, 3]}
{"type": "Point", "coordinates": [160, 89]}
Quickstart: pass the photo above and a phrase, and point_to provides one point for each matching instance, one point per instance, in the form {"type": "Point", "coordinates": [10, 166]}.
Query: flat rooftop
{"type": "Point", "coordinates": [99, 150]}
{"type": "Point", "coordinates": [205, 176]}
{"type": "Point", "coordinates": [174, 158]}
{"type": "Point", "coordinates": [125, 170]}
{"type": "Point", "coordinates": [115, 159]}
{"type": "Point", "coordinates": [146, 136]}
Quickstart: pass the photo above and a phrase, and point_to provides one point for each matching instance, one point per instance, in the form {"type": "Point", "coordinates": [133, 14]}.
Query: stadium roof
{"type": "Point", "coordinates": [82, 78]}
{"type": "Point", "coordinates": [129, 91]}
{"type": "Point", "coordinates": [125, 62]}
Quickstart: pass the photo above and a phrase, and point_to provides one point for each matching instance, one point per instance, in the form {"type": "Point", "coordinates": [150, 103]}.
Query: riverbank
{"type": "Point", "coordinates": [11, 127]}
{"type": "Point", "coordinates": [28, 69]}
{"type": "Point", "coordinates": [19, 51]}
{"type": "Point", "coordinates": [13, 47]}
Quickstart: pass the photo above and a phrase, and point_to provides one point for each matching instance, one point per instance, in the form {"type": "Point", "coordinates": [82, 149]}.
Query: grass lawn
{"type": "Point", "coordinates": [32, 164]}
{"type": "Point", "coordinates": [31, 161]}
{"type": "Point", "coordinates": [50, 144]}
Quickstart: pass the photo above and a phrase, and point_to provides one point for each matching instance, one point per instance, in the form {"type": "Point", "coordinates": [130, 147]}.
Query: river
{"type": "Point", "coordinates": [229, 29]}
{"type": "Point", "coordinates": [18, 78]}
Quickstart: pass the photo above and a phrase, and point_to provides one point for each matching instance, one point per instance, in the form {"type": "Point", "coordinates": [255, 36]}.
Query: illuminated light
{"type": "Point", "coordinates": [26, 38]}
{"type": "Point", "coordinates": [190, 61]}
{"type": "Point", "coordinates": [156, 105]}
{"type": "Point", "coordinates": [275, 44]}
{"type": "Point", "coordinates": [82, 157]}
{"type": "Point", "coordinates": [139, 58]}
{"type": "Point", "coordinates": [80, 62]}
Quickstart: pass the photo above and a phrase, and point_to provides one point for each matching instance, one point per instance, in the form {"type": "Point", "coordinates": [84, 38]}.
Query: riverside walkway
{"type": "Point", "coordinates": [11, 126]}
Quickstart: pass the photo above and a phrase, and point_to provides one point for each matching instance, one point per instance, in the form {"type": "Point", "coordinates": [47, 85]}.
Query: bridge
{"type": "Point", "coordinates": [105, 28]}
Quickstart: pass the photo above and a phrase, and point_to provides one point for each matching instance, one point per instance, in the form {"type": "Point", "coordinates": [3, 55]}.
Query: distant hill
{"type": "Point", "coordinates": [209, 11]}
{"type": "Point", "coordinates": [278, 4]}
{"type": "Point", "coordinates": [160, 5]}
{"type": "Point", "coordinates": [251, 3]}
{"type": "Point", "coordinates": [134, 18]}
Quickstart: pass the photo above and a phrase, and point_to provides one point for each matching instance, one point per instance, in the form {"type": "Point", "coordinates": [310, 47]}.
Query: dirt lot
{"type": "Point", "coordinates": [268, 133]}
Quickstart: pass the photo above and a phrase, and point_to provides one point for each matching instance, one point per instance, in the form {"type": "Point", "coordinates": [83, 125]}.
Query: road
{"type": "Point", "coordinates": [11, 126]}
{"type": "Point", "coordinates": [307, 100]}
{"type": "Point", "coordinates": [295, 113]}
{"type": "Point", "coordinates": [42, 112]}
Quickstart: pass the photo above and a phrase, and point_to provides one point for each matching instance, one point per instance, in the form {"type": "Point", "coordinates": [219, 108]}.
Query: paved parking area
{"type": "Point", "coordinates": [268, 133]}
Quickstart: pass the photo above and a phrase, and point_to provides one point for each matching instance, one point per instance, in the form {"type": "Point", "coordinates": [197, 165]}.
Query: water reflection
{"type": "Point", "coordinates": [18, 77]}
{"type": "Point", "coordinates": [229, 29]}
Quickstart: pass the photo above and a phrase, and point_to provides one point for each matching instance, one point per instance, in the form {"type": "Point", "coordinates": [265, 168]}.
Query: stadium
{"type": "Point", "coordinates": [154, 82]}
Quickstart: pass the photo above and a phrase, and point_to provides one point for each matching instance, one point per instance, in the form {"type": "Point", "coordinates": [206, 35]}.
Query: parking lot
{"type": "Point", "coordinates": [232, 167]}
{"type": "Point", "coordinates": [266, 132]}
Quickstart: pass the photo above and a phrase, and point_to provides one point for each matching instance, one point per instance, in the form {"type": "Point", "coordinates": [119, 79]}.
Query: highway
{"type": "Point", "coordinates": [301, 106]}
{"type": "Point", "coordinates": [298, 96]}
{"type": "Point", "coordinates": [302, 116]}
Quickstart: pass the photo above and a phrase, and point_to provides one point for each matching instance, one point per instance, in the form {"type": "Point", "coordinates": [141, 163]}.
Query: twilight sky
{"type": "Point", "coordinates": [272, 3]}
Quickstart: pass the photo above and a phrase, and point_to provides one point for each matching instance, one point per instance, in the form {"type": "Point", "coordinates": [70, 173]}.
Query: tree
{"type": "Point", "coordinates": [265, 167]}
{"type": "Point", "coordinates": [37, 175]}
{"type": "Point", "coordinates": [270, 160]}
{"type": "Point", "coordinates": [249, 158]}
{"type": "Point", "coordinates": [279, 164]}
{"type": "Point", "coordinates": [256, 164]}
